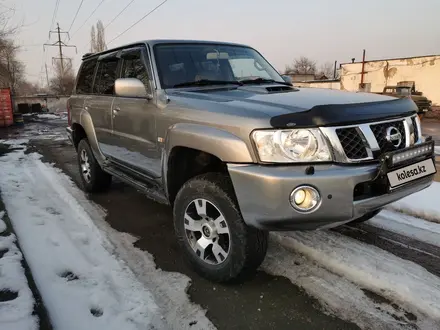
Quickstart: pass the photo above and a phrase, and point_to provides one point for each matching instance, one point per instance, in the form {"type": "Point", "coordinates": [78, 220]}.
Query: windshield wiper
{"type": "Point", "coordinates": [207, 82]}
{"type": "Point", "coordinates": [263, 81]}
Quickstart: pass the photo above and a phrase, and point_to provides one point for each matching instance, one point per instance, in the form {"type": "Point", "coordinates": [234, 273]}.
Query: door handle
{"type": "Point", "coordinates": [116, 110]}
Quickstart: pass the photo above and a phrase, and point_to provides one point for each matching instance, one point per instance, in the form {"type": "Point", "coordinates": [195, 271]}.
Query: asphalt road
{"type": "Point", "coordinates": [266, 302]}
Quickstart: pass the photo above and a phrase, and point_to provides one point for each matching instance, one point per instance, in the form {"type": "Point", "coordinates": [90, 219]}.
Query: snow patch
{"type": "Point", "coordinates": [16, 311]}
{"type": "Point", "coordinates": [102, 283]}
{"type": "Point", "coordinates": [337, 295]}
{"type": "Point", "coordinates": [48, 116]}
{"type": "Point", "coordinates": [423, 204]}
{"type": "Point", "coordinates": [14, 142]}
{"type": "Point", "coordinates": [369, 267]}
{"type": "Point", "coordinates": [422, 230]}
{"type": "Point", "coordinates": [77, 264]}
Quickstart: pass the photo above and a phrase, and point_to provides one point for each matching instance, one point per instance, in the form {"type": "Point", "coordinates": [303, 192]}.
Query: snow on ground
{"type": "Point", "coordinates": [47, 116]}
{"type": "Point", "coordinates": [406, 225]}
{"type": "Point", "coordinates": [15, 142]}
{"type": "Point", "coordinates": [337, 295]}
{"type": "Point", "coordinates": [15, 312]}
{"type": "Point", "coordinates": [424, 204]}
{"type": "Point", "coordinates": [368, 267]}
{"type": "Point", "coordinates": [76, 265]}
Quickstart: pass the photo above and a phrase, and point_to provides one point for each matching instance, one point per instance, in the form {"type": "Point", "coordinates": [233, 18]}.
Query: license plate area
{"type": "Point", "coordinates": [407, 165]}
{"type": "Point", "coordinates": [411, 173]}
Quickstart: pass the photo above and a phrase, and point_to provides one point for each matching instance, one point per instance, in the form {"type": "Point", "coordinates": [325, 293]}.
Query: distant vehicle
{"type": "Point", "coordinates": [422, 102]}
{"type": "Point", "coordinates": [213, 130]}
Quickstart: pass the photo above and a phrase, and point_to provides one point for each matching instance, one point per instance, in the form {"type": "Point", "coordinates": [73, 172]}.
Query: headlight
{"type": "Point", "coordinates": [288, 146]}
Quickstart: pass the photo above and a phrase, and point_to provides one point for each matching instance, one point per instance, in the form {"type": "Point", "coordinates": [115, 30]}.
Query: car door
{"type": "Point", "coordinates": [134, 126]}
{"type": "Point", "coordinates": [84, 86]}
{"type": "Point", "coordinates": [99, 104]}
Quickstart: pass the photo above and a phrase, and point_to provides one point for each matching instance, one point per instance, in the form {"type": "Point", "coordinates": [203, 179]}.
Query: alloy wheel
{"type": "Point", "coordinates": [85, 166]}
{"type": "Point", "coordinates": [207, 231]}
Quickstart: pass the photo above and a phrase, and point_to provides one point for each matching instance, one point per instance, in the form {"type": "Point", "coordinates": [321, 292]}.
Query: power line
{"type": "Point", "coordinates": [119, 14]}
{"type": "Point", "coordinates": [138, 21]}
{"type": "Point", "coordinates": [97, 7]}
{"type": "Point", "coordinates": [59, 44]}
{"type": "Point", "coordinates": [55, 12]}
{"type": "Point", "coordinates": [76, 15]}
{"type": "Point", "coordinates": [113, 19]}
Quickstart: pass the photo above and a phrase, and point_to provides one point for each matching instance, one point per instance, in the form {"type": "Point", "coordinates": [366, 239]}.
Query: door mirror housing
{"type": "Point", "coordinates": [287, 78]}
{"type": "Point", "coordinates": [130, 87]}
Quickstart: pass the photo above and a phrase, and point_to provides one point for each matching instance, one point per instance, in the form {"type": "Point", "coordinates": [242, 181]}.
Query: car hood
{"type": "Point", "coordinates": [294, 103]}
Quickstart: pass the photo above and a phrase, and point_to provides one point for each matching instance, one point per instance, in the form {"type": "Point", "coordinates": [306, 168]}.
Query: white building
{"type": "Point", "coordinates": [423, 70]}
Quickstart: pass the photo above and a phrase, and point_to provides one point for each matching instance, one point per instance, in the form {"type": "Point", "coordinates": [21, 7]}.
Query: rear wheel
{"type": "Point", "coordinates": [94, 179]}
{"type": "Point", "coordinates": [366, 217]}
{"type": "Point", "coordinates": [211, 231]}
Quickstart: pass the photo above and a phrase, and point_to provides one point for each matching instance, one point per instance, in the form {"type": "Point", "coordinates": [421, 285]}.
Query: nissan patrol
{"type": "Point", "coordinates": [213, 130]}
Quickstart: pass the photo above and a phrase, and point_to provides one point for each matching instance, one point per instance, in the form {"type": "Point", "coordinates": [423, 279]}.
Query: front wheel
{"type": "Point", "coordinates": [211, 231]}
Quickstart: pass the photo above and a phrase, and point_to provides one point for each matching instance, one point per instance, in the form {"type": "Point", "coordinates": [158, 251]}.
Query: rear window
{"type": "Point", "coordinates": [85, 77]}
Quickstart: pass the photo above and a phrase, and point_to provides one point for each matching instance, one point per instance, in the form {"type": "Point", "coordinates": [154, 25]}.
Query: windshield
{"type": "Point", "coordinates": [182, 64]}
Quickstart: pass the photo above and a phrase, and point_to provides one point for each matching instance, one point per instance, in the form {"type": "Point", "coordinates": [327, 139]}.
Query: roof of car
{"type": "Point", "coordinates": [154, 42]}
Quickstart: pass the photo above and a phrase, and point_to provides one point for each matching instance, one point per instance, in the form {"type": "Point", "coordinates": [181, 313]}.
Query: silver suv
{"type": "Point", "coordinates": [213, 130]}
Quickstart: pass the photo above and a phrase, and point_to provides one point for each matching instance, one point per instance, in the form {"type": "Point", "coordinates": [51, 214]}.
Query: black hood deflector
{"type": "Point", "coordinates": [346, 114]}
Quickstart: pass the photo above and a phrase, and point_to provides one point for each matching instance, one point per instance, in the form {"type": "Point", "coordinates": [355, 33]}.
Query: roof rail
{"type": "Point", "coordinates": [88, 54]}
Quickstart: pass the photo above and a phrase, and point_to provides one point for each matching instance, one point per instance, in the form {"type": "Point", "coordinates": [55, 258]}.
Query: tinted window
{"type": "Point", "coordinates": [133, 67]}
{"type": "Point", "coordinates": [186, 63]}
{"type": "Point", "coordinates": [85, 77]}
{"type": "Point", "coordinates": [106, 76]}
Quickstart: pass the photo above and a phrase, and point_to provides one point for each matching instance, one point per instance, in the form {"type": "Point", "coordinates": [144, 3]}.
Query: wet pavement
{"type": "Point", "coordinates": [265, 302]}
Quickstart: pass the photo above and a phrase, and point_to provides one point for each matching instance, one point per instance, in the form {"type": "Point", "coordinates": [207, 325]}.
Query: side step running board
{"type": "Point", "coordinates": [150, 190]}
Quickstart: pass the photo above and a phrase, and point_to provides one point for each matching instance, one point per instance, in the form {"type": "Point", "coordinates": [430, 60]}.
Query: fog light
{"type": "Point", "coordinates": [305, 199]}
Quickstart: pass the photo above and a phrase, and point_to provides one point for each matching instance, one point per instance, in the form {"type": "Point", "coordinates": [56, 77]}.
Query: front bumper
{"type": "Point", "coordinates": [263, 194]}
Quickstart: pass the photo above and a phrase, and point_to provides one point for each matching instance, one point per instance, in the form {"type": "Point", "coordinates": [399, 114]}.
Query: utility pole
{"type": "Point", "coordinates": [47, 77]}
{"type": "Point", "coordinates": [60, 44]}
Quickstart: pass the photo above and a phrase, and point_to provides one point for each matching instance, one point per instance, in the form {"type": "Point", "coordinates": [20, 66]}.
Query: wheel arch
{"type": "Point", "coordinates": [84, 128]}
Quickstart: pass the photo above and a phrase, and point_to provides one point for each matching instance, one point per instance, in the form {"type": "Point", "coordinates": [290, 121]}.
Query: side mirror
{"type": "Point", "coordinates": [130, 87]}
{"type": "Point", "coordinates": [287, 78]}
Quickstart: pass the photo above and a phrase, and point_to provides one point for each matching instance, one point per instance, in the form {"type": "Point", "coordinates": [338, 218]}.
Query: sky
{"type": "Point", "coordinates": [282, 30]}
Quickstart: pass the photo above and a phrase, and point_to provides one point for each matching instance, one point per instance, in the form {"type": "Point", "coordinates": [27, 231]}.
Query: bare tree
{"type": "Point", "coordinates": [100, 37]}
{"type": "Point", "coordinates": [302, 65]}
{"type": "Point", "coordinates": [326, 69]}
{"type": "Point", "coordinates": [97, 38]}
{"type": "Point", "coordinates": [28, 88]}
{"type": "Point", "coordinates": [62, 82]}
{"type": "Point", "coordinates": [11, 69]}
{"type": "Point", "coordinates": [92, 39]}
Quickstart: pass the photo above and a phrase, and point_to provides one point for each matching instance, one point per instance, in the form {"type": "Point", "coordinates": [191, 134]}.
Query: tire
{"type": "Point", "coordinates": [95, 180]}
{"type": "Point", "coordinates": [365, 217]}
{"type": "Point", "coordinates": [245, 246]}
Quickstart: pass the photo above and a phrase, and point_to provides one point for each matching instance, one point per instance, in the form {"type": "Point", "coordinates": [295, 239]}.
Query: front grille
{"type": "Point", "coordinates": [380, 132]}
{"type": "Point", "coordinates": [352, 143]}
{"type": "Point", "coordinates": [416, 131]}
